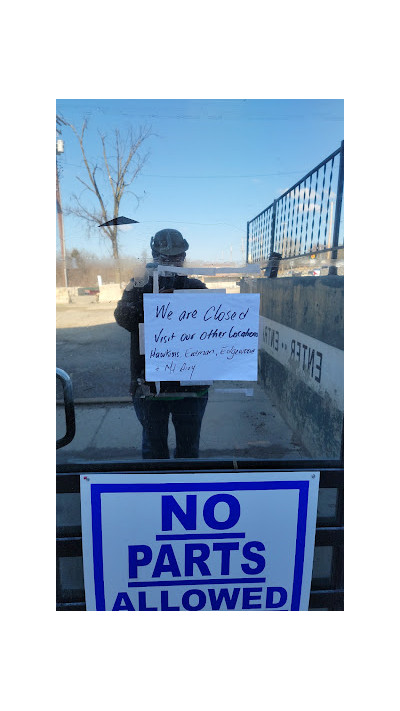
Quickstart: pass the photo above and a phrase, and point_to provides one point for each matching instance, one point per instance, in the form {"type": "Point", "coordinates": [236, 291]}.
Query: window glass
{"type": "Point", "coordinates": [200, 270]}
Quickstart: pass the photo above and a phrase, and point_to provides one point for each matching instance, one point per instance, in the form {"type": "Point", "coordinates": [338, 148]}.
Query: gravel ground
{"type": "Point", "coordinates": [93, 349]}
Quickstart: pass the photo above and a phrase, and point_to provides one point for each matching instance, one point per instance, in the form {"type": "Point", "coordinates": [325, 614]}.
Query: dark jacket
{"type": "Point", "coordinates": [129, 313]}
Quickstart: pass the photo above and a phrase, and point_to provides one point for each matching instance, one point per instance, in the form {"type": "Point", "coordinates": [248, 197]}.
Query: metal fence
{"type": "Point", "coordinates": [306, 219]}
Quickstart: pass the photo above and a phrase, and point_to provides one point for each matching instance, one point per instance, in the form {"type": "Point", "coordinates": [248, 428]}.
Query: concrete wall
{"type": "Point", "coordinates": [63, 295]}
{"type": "Point", "coordinates": [110, 292]}
{"type": "Point", "coordinates": [69, 295]}
{"type": "Point", "coordinates": [230, 285]}
{"type": "Point", "coordinates": [310, 312]}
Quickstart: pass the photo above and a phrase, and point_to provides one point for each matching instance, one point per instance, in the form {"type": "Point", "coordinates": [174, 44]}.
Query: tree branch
{"type": "Point", "coordinates": [124, 174]}
{"type": "Point", "coordinates": [107, 166]}
{"type": "Point", "coordinates": [85, 184]}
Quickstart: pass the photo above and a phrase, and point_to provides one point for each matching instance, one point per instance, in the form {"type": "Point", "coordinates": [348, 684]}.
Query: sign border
{"type": "Point", "coordinates": [97, 538]}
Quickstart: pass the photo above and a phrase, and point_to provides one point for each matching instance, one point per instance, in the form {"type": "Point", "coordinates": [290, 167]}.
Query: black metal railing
{"type": "Point", "coordinates": [306, 219]}
{"type": "Point", "coordinates": [327, 580]}
{"type": "Point", "coordinates": [69, 408]}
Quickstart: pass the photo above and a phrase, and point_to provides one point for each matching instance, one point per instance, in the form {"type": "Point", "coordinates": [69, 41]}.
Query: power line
{"type": "Point", "coordinates": [257, 175]}
{"type": "Point", "coordinates": [184, 177]}
{"type": "Point", "coordinates": [225, 113]}
{"type": "Point", "coordinates": [202, 224]}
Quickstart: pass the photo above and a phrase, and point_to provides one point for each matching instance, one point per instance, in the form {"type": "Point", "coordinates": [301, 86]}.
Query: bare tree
{"type": "Point", "coordinates": [121, 167]}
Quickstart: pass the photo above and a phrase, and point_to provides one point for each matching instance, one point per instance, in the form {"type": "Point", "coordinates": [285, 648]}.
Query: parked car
{"type": "Point", "coordinates": [88, 290]}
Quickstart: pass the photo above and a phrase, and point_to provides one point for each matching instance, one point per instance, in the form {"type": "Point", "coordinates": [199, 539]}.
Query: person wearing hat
{"type": "Point", "coordinates": [185, 403]}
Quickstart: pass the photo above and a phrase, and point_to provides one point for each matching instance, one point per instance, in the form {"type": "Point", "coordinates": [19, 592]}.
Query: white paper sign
{"type": "Point", "coordinates": [198, 541]}
{"type": "Point", "coordinates": [201, 336]}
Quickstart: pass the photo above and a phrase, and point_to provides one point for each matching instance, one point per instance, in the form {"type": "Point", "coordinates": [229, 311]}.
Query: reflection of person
{"type": "Point", "coordinates": [185, 403]}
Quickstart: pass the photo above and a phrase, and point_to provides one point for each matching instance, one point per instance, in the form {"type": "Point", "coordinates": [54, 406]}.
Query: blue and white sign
{"type": "Point", "coordinates": [210, 541]}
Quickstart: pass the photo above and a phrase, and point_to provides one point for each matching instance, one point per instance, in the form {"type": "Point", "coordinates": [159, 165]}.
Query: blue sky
{"type": "Point", "coordinates": [213, 165]}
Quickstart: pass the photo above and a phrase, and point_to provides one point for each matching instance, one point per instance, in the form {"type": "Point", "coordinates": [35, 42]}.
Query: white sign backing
{"type": "Point", "coordinates": [209, 541]}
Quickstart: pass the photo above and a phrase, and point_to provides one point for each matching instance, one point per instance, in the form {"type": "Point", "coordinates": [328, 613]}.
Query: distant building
{"type": "Point", "coordinates": [227, 282]}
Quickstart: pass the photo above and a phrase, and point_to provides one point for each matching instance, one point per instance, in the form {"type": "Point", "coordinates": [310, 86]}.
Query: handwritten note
{"type": "Point", "coordinates": [195, 337]}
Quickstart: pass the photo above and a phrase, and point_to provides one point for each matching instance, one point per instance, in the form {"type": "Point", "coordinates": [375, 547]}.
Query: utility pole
{"type": "Point", "coordinates": [60, 218]}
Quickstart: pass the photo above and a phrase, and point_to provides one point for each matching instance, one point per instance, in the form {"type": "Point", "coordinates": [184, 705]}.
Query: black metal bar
{"type": "Point", "coordinates": [340, 505]}
{"type": "Point", "coordinates": [273, 219]}
{"type": "Point", "coordinates": [58, 579]}
{"type": "Point", "coordinates": [337, 570]}
{"type": "Point", "coordinates": [329, 599]}
{"type": "Point", "coordinates": [331, 479]}
{"type": "Point", "coordinates": [338, 210]}
{"type": "Point", "coordinates": [69, 408]}
{"type": "Point", "coordinates": [70, 606]}
{"type": "Point", "coordinates": [332, 600]}
{"type": "Point", "coordinates": [261, 213]}
{"type": "Point", "coordinates": [342, 444]}
{"type": "Point", "coordinates": [329, 536]}
{"type": "Point", "coordinates": [247, 244]}
{"type": "Point", "coordinates": [70, 597]}
{"type": "Point", "coordinates": [69, 547]}
{"type": "Point", "coordinates": [317, 167]}
{"type": "Point", "coordinates": [68, 483]}
{"type": "Point", "coordinates": [199, 465]}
